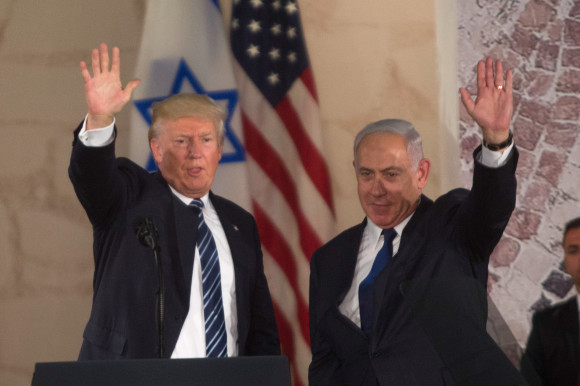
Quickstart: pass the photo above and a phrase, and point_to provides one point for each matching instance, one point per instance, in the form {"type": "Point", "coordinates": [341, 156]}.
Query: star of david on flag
{"type": "Point", "coordinates": [230, 97]}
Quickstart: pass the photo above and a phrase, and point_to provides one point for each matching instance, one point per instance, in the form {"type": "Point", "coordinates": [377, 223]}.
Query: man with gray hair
{"type": "Point", "coordinates": [216, 298]}
{"type": "Point", "coordinates": [400, 299]}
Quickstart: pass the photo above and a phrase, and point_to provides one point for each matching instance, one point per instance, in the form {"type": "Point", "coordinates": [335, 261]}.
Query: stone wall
{"type": "Point", "coordinates": [540, 41]}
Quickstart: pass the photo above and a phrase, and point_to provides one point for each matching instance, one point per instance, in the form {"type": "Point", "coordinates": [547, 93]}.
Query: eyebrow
{"type": "Point", "coordinates": [390, 168]}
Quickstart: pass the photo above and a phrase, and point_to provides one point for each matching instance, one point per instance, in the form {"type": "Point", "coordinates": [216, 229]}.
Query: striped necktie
{"type": "Point", "coordinates": [213, 310]}
{"type": "Point", "coordinates": [365, 289]}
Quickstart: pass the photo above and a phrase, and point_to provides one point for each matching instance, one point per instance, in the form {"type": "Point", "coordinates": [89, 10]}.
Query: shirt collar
{"type": "Point", "coordinates": [375, 231]}
{"type": "Point", "coordinates": [186, 200]}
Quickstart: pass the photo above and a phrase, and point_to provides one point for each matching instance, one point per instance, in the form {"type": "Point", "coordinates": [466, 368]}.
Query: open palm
{"type": "Point", "coordinates": [493, 107]}
{"type": "Point", "coordinates": [104, 92]}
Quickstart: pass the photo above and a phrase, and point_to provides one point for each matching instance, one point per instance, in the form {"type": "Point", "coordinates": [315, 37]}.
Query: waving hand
{"type": "Point", "coordinates": [104, 92]}
{"type": "Point", "coordinates": [493, 106]}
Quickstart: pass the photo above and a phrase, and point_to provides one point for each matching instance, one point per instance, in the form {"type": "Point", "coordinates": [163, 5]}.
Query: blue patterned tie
{"type": "Point", "coordinates": [365, 289]}
{"type": "Point", "coordinates": [213, 310]}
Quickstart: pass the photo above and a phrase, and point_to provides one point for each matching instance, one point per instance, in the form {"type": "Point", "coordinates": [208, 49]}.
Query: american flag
{"type": "Point", "coordinates": [288, 177]}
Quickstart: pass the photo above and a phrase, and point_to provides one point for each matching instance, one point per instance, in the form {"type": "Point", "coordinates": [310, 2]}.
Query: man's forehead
{"type": "Point", "coordinates": [188, 123]}
{"type": "Point", "coordinates": [572, 237]}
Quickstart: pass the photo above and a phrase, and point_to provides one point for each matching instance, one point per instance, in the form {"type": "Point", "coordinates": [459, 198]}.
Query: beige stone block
{"type": "Point", "coordinates": [40, 55]}
{"type": "Point", "coordinates": [565, 206]}
{"type": "Point", "coordinates": [7, 254]}
{"type": "Point", "coordinates": [363, 52]}
{"type": "Point", "coordinates": [9, 376]}
{"type": "Point", "coordinates": [24, 149]}
{"type": "Point", "coordinates": [48, 94]}
{"type": "Point", "coordinates": [521, 290]}
{"type": "Point", "coordinates": [43, 328]}
{"type": "Point", "coordinates": [58, 252]}
{"type": "Point", "coordinates": [46, 27]}
{"type": "Point", "coordinates": [569, 186]}
{"type": "Point", "coordinates": [534, 263]}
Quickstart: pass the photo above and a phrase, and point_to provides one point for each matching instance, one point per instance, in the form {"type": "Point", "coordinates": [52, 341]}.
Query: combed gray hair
{"type": "Point", "coordinates": [395, 126]}
{"type": "Point", "coordinates": [187, 105]}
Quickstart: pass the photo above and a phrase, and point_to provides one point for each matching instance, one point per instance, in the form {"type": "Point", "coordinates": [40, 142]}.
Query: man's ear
{"type": "Point", "coordinates": [156, 150]}
{"type": "Point", "coordinates": [423, 172]}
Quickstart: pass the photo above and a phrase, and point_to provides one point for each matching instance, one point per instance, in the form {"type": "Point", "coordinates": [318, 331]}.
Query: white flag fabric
{"type": "Point", "coordinates": [184, 49]}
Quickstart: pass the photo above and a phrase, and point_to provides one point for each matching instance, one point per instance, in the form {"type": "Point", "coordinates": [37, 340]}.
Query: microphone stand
{"type": "Point", "coordinates": [148, 236]}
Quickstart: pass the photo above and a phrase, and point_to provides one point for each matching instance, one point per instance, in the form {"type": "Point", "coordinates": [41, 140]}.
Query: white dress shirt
{"type": "Point", "coordinates": [372, 241]}
{"type": "Point", "coordinates": [191, 341]}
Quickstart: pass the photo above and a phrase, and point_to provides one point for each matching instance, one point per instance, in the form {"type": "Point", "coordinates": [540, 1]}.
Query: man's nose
{"type": "Point", "coordinates": [194, 149]}
{"type": "Point", "coordinates": [378, 187]}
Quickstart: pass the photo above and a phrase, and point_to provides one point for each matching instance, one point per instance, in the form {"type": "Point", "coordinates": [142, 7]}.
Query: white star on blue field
{"type": "Point", "coordinates": [184, 74]}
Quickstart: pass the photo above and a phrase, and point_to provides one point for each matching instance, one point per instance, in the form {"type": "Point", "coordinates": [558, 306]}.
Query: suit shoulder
{"type": "Point", "coordinates": [556, 311]}
{"type": "Point", "coordinates": [452, 197]}
{"type": "Point", "coordinates": [126, 163]}
{"type": "Point", "coordinates": [346, 237]}
{"type": "Point", "coordinates": [228, 206]}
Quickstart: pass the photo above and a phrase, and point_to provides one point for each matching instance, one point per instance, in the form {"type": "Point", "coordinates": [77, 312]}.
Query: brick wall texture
{"type": "Point", "coordinates": [540, 41]}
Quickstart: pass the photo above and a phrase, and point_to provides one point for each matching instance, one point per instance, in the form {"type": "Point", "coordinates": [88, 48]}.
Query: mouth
{"type": "Point", "coordinates": [380, 207]}
{"type": "Point", "coordinates": [194, 171]}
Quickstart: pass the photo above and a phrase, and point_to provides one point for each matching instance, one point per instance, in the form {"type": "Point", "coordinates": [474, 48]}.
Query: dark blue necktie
{"type": "Point", "coordinates": [365, 289]}
{"type": "Point", "coordinates": [213, 309]}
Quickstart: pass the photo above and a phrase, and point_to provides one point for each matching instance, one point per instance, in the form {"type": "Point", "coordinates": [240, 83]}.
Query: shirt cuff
{"type": "Point", "coordinates": [494, 159]}
{"type": "Point", "coordinates": [97, 137]}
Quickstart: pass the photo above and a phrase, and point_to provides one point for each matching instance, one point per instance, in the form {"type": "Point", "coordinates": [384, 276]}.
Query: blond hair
{"type": "Point", "coordinates": [187, 105]}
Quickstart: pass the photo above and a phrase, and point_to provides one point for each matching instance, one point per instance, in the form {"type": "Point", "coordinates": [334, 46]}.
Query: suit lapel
{"type": "Point", "coordinates": [186, 232]}
{"type": "Point", "coordinates": [346, 260]}
{"type": "Point", "coordinates": [389, 280]}
{"type": "Point", "coordinates": [239, 258]}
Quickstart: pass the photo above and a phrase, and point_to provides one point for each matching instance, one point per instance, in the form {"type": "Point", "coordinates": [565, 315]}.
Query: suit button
{"type": "Point", "coordinates": [376, 354]}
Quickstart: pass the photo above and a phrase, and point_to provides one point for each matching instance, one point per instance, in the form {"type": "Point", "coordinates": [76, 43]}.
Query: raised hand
{"type": "Point", "coordinates": [104, 92]}
{"type": "Point", "coordinates": [493, 106]}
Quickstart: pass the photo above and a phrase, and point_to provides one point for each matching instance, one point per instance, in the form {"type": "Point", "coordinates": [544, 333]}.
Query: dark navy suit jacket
{"type": "Point", "coordinates": [116, 194]}
{"type": "Point", "coordinates": [552, 355]}
{"type": "Point", "coordinates": [430, 302]}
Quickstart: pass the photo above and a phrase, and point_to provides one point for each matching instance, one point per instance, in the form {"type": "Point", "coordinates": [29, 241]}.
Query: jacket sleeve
{"type": "Point", "coordinates": [97, 180]}
{"type": "Point", "coordinates": [324, 368]}
{"type": "Point", "coordinates": [488, 208]}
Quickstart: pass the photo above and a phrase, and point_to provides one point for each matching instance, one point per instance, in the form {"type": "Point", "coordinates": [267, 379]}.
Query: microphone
{"type": "Point", "coordinates": [147, 234]}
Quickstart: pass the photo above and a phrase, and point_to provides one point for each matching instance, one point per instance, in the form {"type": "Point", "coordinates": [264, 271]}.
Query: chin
{"type": "Point", "coordinates": [382, 222]}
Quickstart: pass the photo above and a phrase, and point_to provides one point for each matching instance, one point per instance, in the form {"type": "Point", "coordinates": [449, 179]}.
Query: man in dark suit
{"type": "Point", "coordinates": [552, 355]}
{"type": "Point", "coordinates": [217, 301]}
{"type": "Point", "coordinates": [419, 317]}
